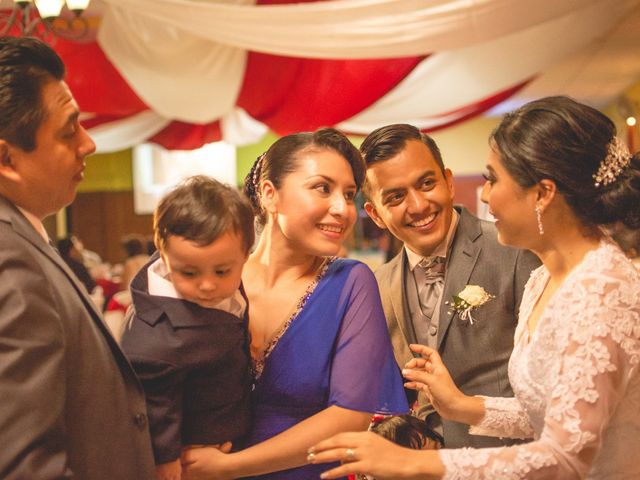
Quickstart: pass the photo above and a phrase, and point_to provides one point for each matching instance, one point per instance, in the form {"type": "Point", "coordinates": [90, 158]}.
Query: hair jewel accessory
{"type": "Point", "coordinates": [252, 180]}
{"type": "Point", "coordinates": [257, 170]}
{"type": "Point", "coordinates": [618, 157]}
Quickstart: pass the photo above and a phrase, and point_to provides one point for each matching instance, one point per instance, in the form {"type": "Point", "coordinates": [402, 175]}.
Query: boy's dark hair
{"type": "Point", "coordinates": [386, 142]}
{"type": "Point", "coordinates": [26, 65]}
{"type": "Point", "coordinates": [406, 430]}
{"type": "Point", "coordinates": [201, 209]}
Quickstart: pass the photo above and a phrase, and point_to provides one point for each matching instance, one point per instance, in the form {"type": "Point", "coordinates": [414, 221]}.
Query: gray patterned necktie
{"type": "Point", "coordinates": [431, 289]}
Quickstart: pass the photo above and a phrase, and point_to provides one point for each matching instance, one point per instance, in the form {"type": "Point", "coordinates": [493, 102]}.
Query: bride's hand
{"type": "Point", "coordinates": [429, 375]}
{"type": "Point", "coordinates": [206, 462]}
{"type": "Point", "coordinates": [367, 453]}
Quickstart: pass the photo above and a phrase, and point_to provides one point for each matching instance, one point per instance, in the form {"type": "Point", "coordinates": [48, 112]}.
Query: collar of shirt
{"type": "Point", "coordinates": [441, 250]}
{"type": "Point", "coordinates": [160, 285]}
{"type": "Point", "coordinates": [36, 222]}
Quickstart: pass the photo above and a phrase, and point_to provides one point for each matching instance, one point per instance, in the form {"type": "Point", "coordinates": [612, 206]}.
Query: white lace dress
{"type": "Point", "coordinates": [576, 382]}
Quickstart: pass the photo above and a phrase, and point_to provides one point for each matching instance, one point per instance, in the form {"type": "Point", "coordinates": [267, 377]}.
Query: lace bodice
{"type": "Point", "coordinates": [576, 382]}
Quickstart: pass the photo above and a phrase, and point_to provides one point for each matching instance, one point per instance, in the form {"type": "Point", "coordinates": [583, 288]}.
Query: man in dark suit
{"type": "Point", "coordinates": [70, 404]}
{"type": "Point", "coordinates": [446, 248]}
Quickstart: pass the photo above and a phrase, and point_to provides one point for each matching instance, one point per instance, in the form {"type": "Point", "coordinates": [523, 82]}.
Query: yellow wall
{"type": "Point", "coordinates": [465, 147]}
{"type": "Point", "coordinates": [108, 172]}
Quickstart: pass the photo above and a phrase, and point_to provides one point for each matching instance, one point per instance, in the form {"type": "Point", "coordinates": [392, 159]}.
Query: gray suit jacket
{"type": "Point", "coordinates": [70, 404]}
{"type": "Point", "coordinates": [476, 355]}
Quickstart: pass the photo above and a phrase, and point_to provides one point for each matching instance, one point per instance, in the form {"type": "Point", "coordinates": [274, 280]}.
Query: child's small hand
{"type": "Point", "coordinates": [223, 447]}
{"type": "Point", "coordinates": [169, 471]}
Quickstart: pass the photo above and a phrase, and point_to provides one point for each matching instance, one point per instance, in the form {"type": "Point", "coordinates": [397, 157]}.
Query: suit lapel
{"type": "Point", "coordinates": [23, 228]}
{"type": "Point", "coordinates": [397, 295]}
{"type": "Point", "coordinates": [399, 299]}
{"type": "Point", "coordinates": [462, 258]}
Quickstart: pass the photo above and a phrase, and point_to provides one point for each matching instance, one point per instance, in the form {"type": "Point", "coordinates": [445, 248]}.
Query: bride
{"type": "Point", "coordinates": [556, 174]}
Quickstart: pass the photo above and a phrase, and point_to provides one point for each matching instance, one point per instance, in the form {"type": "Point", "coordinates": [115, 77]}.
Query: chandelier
{"type": "Point", "coordinates": [45, 19]}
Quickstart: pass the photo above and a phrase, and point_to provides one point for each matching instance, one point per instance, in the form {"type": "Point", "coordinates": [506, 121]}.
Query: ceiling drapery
{"type": "Point", "coordinates": [184, 72]}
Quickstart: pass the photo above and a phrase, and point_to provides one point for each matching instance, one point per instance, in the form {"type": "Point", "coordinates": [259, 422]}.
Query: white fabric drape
{"type": "Point", "coordinates": [121, 134]}
{"type": "Point", "coordinates": [465, 75]}
{"type": "Point", "coordinates": [165, 64]}
{"type": "Point", "coordinates": [342, 28]}
{"type": "Point", "coordinates": [237, 127]}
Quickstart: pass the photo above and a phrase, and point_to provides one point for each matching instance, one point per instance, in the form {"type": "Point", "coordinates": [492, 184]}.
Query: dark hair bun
{"type": "Point", "coordinates": [620, 199]}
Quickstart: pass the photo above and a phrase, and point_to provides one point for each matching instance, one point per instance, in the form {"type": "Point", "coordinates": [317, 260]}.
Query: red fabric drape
{"type": "Point", "coordinates": [95, 83]}
{"type": "Point", "coordinates": [187, 136]}
{"type": "Point", "coordinates": [294, 94]}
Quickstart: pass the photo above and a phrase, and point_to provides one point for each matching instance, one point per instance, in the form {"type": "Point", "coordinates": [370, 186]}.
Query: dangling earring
{"type": "Point", "coordinates": [539, 217]}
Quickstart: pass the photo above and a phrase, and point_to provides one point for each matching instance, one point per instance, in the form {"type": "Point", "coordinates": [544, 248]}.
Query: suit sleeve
{"type": "Point", "coordinates": [163, 385]}
{"type": "Point", "coordinates": [32, 370]}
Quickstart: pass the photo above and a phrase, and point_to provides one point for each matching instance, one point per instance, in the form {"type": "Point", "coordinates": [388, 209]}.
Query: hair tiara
{"type": "Point", "coordinates": [617, 159]}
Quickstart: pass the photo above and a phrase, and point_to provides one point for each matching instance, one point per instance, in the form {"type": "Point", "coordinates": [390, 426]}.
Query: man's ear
{"type": "Point", "coordinates": [373, 213]}
{"type": "Point", "coordinates": [7, 166]}
{"type": "Point", "coordinates": [448, 177]}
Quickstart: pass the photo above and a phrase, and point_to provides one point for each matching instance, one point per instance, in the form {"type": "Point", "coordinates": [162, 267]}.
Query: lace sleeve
{"type": "Point", "coordinates": [592, 342]}
{"type": "Point", "coordinates": [504, 417]}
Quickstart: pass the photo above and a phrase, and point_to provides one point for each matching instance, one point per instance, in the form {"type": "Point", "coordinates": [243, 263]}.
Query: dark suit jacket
{"type": "Point", "coordinates": [70, 403]}
{"type": "Point", "coordinates": [194, 365]}
{"type": "Point", "coordinates": [476, 355]}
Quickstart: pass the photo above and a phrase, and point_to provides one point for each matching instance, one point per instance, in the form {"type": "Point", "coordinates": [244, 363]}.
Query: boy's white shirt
{"type": "Point", "coordinates": [160, 285]}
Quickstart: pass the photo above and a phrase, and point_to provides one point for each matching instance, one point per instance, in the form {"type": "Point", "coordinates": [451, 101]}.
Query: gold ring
{"type": "Point", "coordinates": [350, 455]}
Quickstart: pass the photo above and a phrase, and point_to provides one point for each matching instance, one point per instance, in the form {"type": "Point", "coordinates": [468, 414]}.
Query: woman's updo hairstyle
{"type": "Point", "coordinates": [282, 159]}
{"type": "Point", "coordinates": [570, 143]}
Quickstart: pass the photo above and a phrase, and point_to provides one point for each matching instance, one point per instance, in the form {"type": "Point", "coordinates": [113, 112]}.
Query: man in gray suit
{"type": "Point", "coordinates": [446, 248]}
{"type": "Point", "coordinates": [70, 404]}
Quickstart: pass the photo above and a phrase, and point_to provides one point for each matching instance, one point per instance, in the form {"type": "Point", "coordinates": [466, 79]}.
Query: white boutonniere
{"type": "Point", "coordinates": [471, 297]}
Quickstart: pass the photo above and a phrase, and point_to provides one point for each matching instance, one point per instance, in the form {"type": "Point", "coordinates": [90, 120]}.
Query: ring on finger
{"type": "Point", "coordinates": [350, 455]}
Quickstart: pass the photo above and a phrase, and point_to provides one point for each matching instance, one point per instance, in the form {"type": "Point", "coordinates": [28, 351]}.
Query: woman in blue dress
{"type": "Point", "coordinates": [322, 355]}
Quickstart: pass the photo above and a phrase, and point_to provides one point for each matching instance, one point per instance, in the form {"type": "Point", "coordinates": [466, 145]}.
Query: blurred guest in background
{"type": "Point", "coordinates": [135, 246]}
{"type": "Point", "coordinates": [73, 257]}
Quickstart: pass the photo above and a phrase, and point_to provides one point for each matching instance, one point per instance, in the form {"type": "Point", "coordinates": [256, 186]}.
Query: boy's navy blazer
{"type": "Point", "coordinates": [194, 365]}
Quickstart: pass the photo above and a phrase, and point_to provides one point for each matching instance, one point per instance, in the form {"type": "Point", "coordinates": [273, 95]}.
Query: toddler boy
{"type": "Point", "coordinates": [186, 333]}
